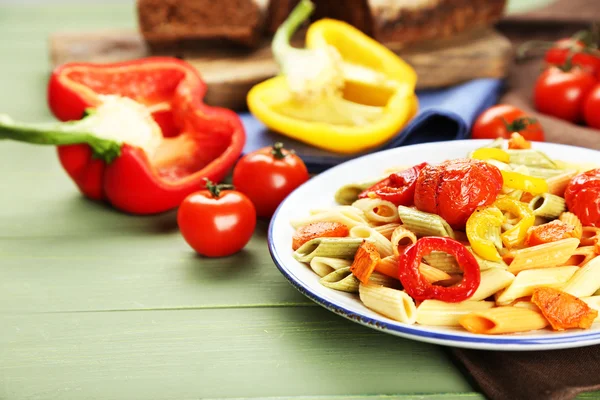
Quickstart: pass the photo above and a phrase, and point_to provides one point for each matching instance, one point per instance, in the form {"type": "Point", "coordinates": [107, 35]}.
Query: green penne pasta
{"type": "Point", "coordinates": [531, 158]}
{"type": "Point", "coordinates": [341, 279]}
{"type": "Point", "coordinates": [348, 194]}
{"type": "Point", "coordinates": [424, 224]}
{"type": "Point", "coordinates": [541, 172]}
{"type": "Point", "coordinates": [548, 206]}
{"type": "Point", "coordinates": [485, 264]}
{"type": "Point", "coordinates": [442, 261]}
{"type": "Point", "coordinates": [384, 280]}
{"type": "Point", "coordinates": [328, 247]}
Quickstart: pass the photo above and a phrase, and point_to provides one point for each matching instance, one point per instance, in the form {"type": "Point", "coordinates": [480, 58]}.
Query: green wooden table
{"type": "Point", "coordinates": [95, 304]}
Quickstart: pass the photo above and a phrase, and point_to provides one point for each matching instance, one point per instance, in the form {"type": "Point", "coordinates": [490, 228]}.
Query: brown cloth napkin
{"type": "Point", "coordinates": [555, 374]}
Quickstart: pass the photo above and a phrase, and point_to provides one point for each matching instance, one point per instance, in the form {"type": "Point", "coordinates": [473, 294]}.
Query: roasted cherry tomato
{"type": "Point", "coordinates": [269, 175]}
{"type": "Point", "coordinates": [398, 188]}
{"type": "Point", "coordinates": [579, 53]}
{"type": "Point", "coordinates": [583, 197]}
{"type": "Point", "coordinates": [217, 222]}
{"type": "Point", "coordinates": [562, 93]}
{"type": "Point", "coordinates": [502, 120]}
{"type": "Point", "coordinates": [455, 188]}
{"type": "Point", "coordinates": [591, 108]}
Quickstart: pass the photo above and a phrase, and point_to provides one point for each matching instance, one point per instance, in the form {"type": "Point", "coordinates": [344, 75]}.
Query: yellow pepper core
{"type": "Point", "coordinates": [344, 92]}
{"type": "Point", "coordinates": [533, 185]}
{"type": "Point", "coordinates": [483, 232]}
{"type": "Point", "coordinates": [516, 235]}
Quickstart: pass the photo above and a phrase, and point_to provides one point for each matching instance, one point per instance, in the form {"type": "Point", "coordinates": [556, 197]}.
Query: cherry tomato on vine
{"type": "Point", "coordinates": [502, 120]}
{"type": "Point", "coordinates": [268, 175]}
{"type": "Point", "coordinates": [218, 221]}
{"type": "Point", "coordinates": [561, 93]}
{"type": "Point", "coordinates": [591, 108]}
{"type": "Point", "coordinates": [579, 53]}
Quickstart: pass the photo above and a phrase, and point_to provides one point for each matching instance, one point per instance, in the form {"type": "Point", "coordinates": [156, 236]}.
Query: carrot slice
{"type": "Point", "coordinates": [550, 232]}
{"type": "Point", "coordinates": [562, 310]}
{"type": "Point", "coordinates": [315, 230]}
{"type": "Point", "coordinates": [365, 260]}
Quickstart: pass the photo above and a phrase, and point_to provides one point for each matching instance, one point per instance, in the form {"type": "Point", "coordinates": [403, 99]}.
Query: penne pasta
{"type": "Point", "coordinates": [424, 224]}
{"type": "Point", "coordinates": [327, 247]}
{"type": "Point", "coordinates": [387, 229]}
{"type": "Point", "coordinates": [326, 265]}
{"type": "Point", "coordinates": [348, 216]}
{"type": "Point", "coordinates": [531, 158]}
{"type": "Point", "coordinates": [539, 172]}
{"type": "Point", "coordinates": [593, 302]}
{"type": "Point", "coordinates": [377, 278]}
{"type": "Point", "coordinates": [348, 194]}
{"type": "Point", "coordinates": [548, 206]}
{"type": "Point", "coordinates": [527, 280]}
{"type": "Point", "coordinates": [392, 303]}
{"type": "Point", "coordinates": [440, 313]}
{"type": "Point", "coordinates": [501, 320]}
{"type": "Point", "coordinates": [432, 274]}
{"type": "Point", "coordinates": [341, 279]}
{"type": "Point", "coordinates": [557, 184]}
{"type": "Point", "coordinates": [389, 266]}
{"type": "Point", "coordinates": [383, 245]}
{"type": "Point", "coordinates": [402, 237]}
{"type": "Point", "coordinates": [581, 256]}
{"type": "Point", "coordinates": [486, 264]}
{"type": "Point", "coordinates": [585, 281]}
{"type": "Point", "coordinates": [543, 255]}
{"type": "Point", "coordinates": [377, 211]}
{"type": "Point", "coordinates": [492, 281]}
{"type": "Point", "coordinates": [572, 219]}
{"type": "Point", "coordinates": [590, 236]}
{"type": "Point", "coordinates": [442, 261]}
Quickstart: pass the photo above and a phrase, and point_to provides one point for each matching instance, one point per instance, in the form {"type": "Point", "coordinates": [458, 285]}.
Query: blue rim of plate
{"type": "Point", "coordinates": [409, 331]}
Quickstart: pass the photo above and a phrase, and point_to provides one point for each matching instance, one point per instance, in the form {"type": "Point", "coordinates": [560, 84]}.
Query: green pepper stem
{"type": "Point", "coordinates": [281, 41]}
{"type": "Point", "coordinates": [57, 135]}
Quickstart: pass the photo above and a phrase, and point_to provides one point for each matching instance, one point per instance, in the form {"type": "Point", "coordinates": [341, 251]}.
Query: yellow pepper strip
{"type": "Point", "coordinates": [526, 183]}
{"type": "Point", "coordinates": [516, 235]}
{"type": "Point", "coordinates": [345, 92]}
{"type": "Point", "coordinates": [491, 154]}
{"type": "Point", "coordinates": [481, 226]}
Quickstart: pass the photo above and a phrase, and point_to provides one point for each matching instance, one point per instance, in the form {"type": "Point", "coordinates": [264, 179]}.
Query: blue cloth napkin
{"type": "Point", "coordinates": [445, 114]}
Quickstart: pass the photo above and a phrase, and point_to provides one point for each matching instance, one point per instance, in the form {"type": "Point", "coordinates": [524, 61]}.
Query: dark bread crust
{"type": "Point", "coordinates": [170, 23]}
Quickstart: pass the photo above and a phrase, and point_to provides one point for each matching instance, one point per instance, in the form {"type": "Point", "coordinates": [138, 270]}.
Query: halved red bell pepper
{"type": "Point", "coordinates": [197, 142]}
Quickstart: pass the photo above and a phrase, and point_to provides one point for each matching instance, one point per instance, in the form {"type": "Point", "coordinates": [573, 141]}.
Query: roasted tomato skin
{"type": "Point", "coordinates": [583, 197]}
{"type": "Point", "coordinates": [455, 188]}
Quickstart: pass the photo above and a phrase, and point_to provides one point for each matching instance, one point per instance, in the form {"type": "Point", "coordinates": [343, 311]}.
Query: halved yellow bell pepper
{"type": "Point", "coordinates": [483, 232]}
{"type": "Point", "coordinates": [344, 92]}
{"type": "Point", "coordinates": [516, 235]}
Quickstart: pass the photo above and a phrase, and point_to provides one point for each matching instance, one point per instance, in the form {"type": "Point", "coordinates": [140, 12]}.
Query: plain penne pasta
{"type": "Point", "coordinates": [326, 265]}
{"type": "Point", "coordinates": [327, 247]}
{"type": "Point", "coordinates": [543, 255]}
{"type": "Point", "coordinates": [432, 274]}
{"type": "Point", "coordinates": [342, 215]}
{"type": "Point", "coordinates": [585, 281]}
{"type": "Point", "coordinates": [377, 211]}
{"type": "Point", "coordinates": [442, 261]}
{"type": "Point", "coordinates": [593, 302]}
{"type": "Point", "coordinates": [590, 236]}
{"type": "Point", "coordinates": [486, 264]}
{"type": "Point", "coordinates": [492, 281]}
{"type": "Point", "coordinates": [392, 303]}
{"type": "Point", "coordinates": [440, 313]}
{"type": "Point", "coordinates": [383, 245]}
{"type": "Point", "coordinates": [581, 256]}
{"type": "Point", "coordinates": [389, 266]}
{"type": "Point", "coordinates": [557, 184]}
{"type": "Point", "coordinates": [527, 280]}
{"type": "Point", "coordinates": [573, 220]}
{"type": "Point", "coordinates": [387, 229]}
{"type": "Point", "coordinates": [501, 320]}
{"type": "Point", "coordinates": [402, 237]}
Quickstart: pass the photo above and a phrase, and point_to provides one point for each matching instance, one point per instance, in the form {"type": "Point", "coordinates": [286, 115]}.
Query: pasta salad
{"type": "Point", "coordinates": [503, 240]}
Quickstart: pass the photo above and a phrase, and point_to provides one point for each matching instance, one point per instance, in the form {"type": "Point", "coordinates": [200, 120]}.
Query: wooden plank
{"type": "Point", "coordinates": [190, 354]}
{"type": "Point", "coordinates": [231, 72]}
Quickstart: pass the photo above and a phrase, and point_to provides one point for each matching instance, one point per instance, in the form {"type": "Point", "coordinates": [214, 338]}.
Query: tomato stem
{"type": "Point", "coordinates": [519, 124]}
{"type": "Point", "coordinates": [216, 188]}
{"type": "Point", "coordinates": [277, 151]}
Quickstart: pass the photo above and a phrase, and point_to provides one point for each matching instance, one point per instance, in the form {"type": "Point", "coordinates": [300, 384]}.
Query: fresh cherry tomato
{"type": "Point", "coordinates": [591, 108]}
{"type": "Point", "coordinates": [455, 188]}
{"type": "Point", "coordinates": [269, 175]}
{"type": "Point", "coordinates": [562, 93]}
{"type": "Point", "coordinates": [583, 197]}
{"type": "Point", "coordinates": [580, 55]}
{"type": "Point", "coordinates": [216, 222]}
{"type": "Point", "coordinates": [502, 120]}
{"type": "Point", "coordinates": [398, 188]}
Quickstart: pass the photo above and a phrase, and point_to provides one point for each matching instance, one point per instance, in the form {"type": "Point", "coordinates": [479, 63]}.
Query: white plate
{"type": "Point", "coordinates": [319, 192]}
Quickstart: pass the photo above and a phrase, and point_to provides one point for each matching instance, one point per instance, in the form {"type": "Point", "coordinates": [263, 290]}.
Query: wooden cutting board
{"type": "Point", "coordinates": [230, 72]}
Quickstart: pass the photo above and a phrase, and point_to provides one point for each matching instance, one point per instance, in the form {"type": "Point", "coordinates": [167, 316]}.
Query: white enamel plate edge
{"type": "Point", "coordinates": [319, 192]}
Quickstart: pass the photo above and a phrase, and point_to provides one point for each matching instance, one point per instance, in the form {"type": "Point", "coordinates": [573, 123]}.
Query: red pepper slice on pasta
{"type": "Point", "coordinates": [398, 188]}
